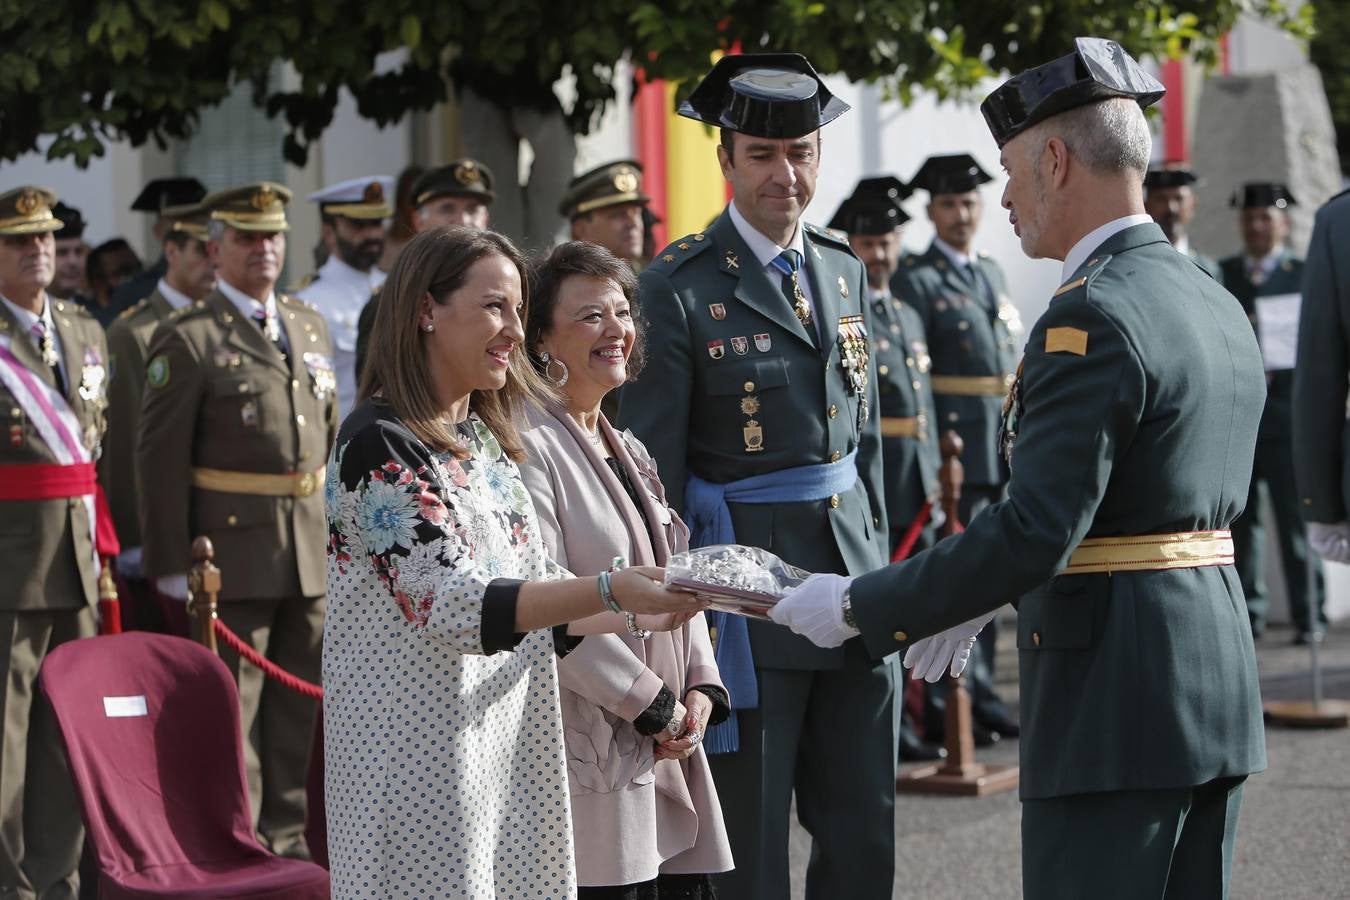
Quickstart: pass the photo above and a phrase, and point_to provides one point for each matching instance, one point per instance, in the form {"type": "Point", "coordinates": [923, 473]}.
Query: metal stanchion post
{"type": "Point", "coordinates": [1317, 712]}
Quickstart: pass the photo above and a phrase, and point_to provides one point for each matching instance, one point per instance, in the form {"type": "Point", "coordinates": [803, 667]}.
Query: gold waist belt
{"type": "Point", "coordinates": [1145, 552]}
{"type": "Point", "coordinates": [299, 484]}
{"type": "Point", "coordinates": [903, 426]}
{"type": "Point", "coordinates": [972, 385]}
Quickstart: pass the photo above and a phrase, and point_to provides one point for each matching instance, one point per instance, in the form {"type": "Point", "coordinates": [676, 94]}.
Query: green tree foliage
{"type": "Point", "coordinates": [1328, 53]}
{"type": "Point", "coordinates": [141, 70]}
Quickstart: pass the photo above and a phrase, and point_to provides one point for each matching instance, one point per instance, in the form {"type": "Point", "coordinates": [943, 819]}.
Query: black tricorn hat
{"type": "Point", "coordinates": [1172, 175]}
{"type": "Point", "coordinates": [768, 95]}
{"type": "Point", "coordinates": [72, 221]}
{"type": "Point", "coordinates": [1256, 194]}
{"type": "Point", "coordinates": [162, 192]}
{"type": "Point", "coordinates": [955, 173]}
{"type": "Point", "coordinates": [873, 207]}
{"type": "Point", "coordinates": [1097, 70]}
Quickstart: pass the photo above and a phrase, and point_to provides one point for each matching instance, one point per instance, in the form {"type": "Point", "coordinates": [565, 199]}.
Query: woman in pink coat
{"type": "Point", "coordinates": [645, 814]}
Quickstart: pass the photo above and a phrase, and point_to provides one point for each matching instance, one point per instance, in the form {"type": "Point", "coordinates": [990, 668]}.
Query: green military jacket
{"type": "Point", "coordinates": [730, 369]}
{"type": "Point", "coordinates": [1321, 451]}
{"type": "Point", "coordinates": [1287, 278]}
{"type": "Point", "coordinates": [219, 396]}
{"type": "Point", "coordinates": [128, 339]}
{"type": "Point", "coordinates": [1208, 263]}
{"type": "Point", "coordinates": [1140, 391]}
{"type": "Point", "coordinates": [910, 461]}
{"type": "Point", "coordinates": [969, 334]}
{"type": "Point", "coordinates": [46, 549]}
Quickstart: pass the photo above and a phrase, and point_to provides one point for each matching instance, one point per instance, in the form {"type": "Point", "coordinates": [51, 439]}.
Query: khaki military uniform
{"type": "Point", "coordinates": [47, 597]}
{"type": "Point", "coordinates": [128, 340]}
{"type": "Point", "coordinates": [233, 440]}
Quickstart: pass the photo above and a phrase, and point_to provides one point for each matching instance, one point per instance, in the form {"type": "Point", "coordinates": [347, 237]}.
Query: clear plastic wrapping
{"type": "Point", "coordinates": [746, 581]}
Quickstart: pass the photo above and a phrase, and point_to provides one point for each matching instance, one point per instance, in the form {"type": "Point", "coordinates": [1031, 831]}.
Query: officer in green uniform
{"type": "Point", "coordinates": [1321, 453]}
{"type": "Point", "coordinates": [52, 398]}
{"type": "Point", "coordinates": [455, 194]}
{"type": "Point", "coordinates": [973, 332]}
{"type": "Point", "coordinates": [1266, 278]}
{"type": "Point", "coordinates": [605, 206]}
{"type": "Point", "coordinates": [239, 413]}
{"type": "Point", "coordinates": [158, 195]}
{"type": "Point", "coordinates": [1130, 433]}
{"type": "Point", "coordinates": [759, 401]}
{"type": "Point", "coordinates": [872, 218]}
{"type": "Point", "coordinates": [188, 277]}
{"type": "Point", "coordinates": [1169, 199]}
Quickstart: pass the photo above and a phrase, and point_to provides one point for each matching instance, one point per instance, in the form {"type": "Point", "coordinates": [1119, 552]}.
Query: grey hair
{"type": "Point", "coordinates": [215, 230]}
{"type": "Point", "coordinates": [1110, 136]}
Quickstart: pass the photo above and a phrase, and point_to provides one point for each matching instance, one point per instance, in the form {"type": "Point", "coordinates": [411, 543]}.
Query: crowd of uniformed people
{"type": "Point", "coordinates": [796, 383]}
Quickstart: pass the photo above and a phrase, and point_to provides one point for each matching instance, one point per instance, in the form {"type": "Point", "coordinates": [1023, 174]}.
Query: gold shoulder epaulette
{"type": "Point", "coordinates": [677, 252]}
{"type": "Point", "coordinates": [134, 308]}
{"type": "Point", "coordinates": [830, 234]}
{"type": "Point", "coordinates": [195, 308]}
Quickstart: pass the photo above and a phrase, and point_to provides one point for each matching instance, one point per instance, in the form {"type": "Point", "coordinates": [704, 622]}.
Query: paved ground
{"type": "Point", "coordinates": [1294, 837]}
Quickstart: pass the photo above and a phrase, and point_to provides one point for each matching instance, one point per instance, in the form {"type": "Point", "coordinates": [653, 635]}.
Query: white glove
{"type": "Point", "coordinates": [815, 610]}
{"type": "Point", "coordinates": [174, 586]}
{"type": "Point", "coordinates": [947, 650]}
{"type": "Point", "coordinates": [1331, 540]}
{"type": "Point", "coordinates": [129, 563]}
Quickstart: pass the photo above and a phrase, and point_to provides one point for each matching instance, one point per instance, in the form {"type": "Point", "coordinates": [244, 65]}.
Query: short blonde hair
{"type": "Point", "coordinates": [437, 262]}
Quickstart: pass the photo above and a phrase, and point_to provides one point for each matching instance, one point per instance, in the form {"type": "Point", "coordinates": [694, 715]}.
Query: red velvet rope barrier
{"type": "Point", "coordinates": [269, 668]}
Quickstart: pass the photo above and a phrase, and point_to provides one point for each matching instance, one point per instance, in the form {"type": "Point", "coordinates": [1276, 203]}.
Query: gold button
{"type": "Point", "coordinates": [749, 387]}
{"type": "Point", "coordinates": [1036, 638]}
{"type": "Point", "coordinates": [901, 636]}
{"type": "Point", "coordinates": [833, 411]}
{"type": "Point", "coordinates": [304, 456]}
{"type": "Point", "coordinates": [916, 384]}
{"type": "Point", "coordinates": [295, 384]}
{"type": "Point", "coordinates": [243, 388]}
{"type": "Point", "coordinates": [1307, 501]}
{"type": "Point", "coordinates": [232, 521]}
{"type": "Point", "coordinates": [834, 501]}
{"type": "Point", "coordinates": [883, 370]}
{"type": "Point", "coordinates": [313, 338]}
{"type": "Point", "coordinates": [300, 420]}
{"type": "Point", "coordinates": [834, 457]}
{"type": "Point", "coordinates": [953, 417]}
{"type": "Point", "coordinates": [963, 325]}
{"type": "Point", "coordinates": [16, 412]}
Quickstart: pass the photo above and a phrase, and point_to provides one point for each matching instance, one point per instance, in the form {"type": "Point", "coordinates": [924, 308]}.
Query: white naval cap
{"type": "Point", "coordinates": [357, 198]}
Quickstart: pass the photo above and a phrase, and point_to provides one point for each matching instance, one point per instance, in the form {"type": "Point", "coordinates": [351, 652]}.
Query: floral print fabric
{"type": "Point", "coordinates": [444, 767]}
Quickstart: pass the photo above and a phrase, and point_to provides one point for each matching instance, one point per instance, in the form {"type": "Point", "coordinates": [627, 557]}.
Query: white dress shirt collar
{"type": "Point", "coordinates": [337, 269]}
{"type": "Point", "coordinates": [955, 257]}
{"type": "Point", "coordinates": [1183, 245]}
{"type": "Point", "coordinates": [27, 318]}
{"type": "Point", "coordinates": [1096, 237]}
{"type": "Point", "coordinates": [244, 302]}
{"type": "Point", "coordinates": [1265, 264]}
{"type": "Point", "coordinates": [765, 250]}
{"type": "Point", "coordinates": [176, 298]}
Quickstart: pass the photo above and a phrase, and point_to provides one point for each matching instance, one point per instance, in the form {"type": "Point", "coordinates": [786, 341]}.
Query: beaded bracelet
{"type": "Point", "coordinates": [640, 633]}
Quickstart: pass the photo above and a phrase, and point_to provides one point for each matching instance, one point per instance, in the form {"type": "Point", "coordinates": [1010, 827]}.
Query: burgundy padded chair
{"type": "Point", "coordinates": [151, 728]}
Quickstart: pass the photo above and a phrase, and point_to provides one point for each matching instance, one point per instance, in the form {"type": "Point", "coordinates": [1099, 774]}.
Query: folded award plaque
{"type": "Point", "coordinates": [746, 581]}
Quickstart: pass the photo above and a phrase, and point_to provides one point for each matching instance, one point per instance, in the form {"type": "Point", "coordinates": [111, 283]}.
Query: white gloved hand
{"type": "Point", "coordinates": [949, 650]}
{"type": "Point", "coordinates": [1331, 540]}
{"type": "Point", "coordinates": [174, 586]}
{"type": "Point", "coordinates": [815, 610]}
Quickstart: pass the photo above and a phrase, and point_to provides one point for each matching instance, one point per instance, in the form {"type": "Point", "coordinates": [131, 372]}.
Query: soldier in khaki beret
{"type": "Point", "coordinates": [52, 399]}
{"type": "Point", "coordinates": [239, 413]}
{"type": "Point", "coordinates": [605, 206]}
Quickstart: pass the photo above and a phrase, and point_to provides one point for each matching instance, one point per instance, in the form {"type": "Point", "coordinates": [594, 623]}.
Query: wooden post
{"type": "Point", "coordinates": [958, 773]}
{"type": "Point", "coordinates": [203, 591]}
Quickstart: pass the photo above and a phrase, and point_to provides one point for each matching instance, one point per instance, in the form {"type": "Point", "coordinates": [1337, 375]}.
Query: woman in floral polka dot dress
{"type": "Point", "coordinates": [444, 768]}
